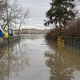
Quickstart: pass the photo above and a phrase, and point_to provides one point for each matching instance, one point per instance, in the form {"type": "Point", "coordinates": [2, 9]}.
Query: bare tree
{"type": "Point", "coordinates": [24, 16]}
{"type": "Point", "coordinates": [12, 13]}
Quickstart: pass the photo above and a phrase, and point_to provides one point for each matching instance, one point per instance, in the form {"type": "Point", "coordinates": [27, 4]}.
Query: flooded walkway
{"type": "Point", "coordinates": [33, 59]}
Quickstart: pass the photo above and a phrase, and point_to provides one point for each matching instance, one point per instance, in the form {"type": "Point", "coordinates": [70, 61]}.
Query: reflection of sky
{"type": "Point", "coordinates": [37, 8]}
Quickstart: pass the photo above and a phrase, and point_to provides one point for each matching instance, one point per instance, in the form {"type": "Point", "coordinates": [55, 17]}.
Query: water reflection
{"type": "Point", "coordinates": [25, 60]}
{"type": "Point", "coordinates": [64, 63]}
{"type": "Point", "coordinates": [11, 61]}
{"type": "Point", "coordinates": [32, 36]}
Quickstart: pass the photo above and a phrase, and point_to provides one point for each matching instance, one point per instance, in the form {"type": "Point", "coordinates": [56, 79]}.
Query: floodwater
{"type": "Point", "coordinates": [32, 58]}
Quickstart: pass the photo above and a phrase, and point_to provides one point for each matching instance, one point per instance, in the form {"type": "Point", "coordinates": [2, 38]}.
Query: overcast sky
{"type": "Point", "coordinates": [38, 9]}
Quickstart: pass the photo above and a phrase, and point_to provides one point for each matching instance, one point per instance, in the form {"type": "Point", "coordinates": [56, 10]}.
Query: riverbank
{"type": "Point", "coordinates": [33, 31]}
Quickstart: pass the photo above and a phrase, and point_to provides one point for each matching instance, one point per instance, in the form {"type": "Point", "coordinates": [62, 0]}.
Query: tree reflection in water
{"type": "Point", "coordinates": [64, 64]}
{"type": "Point", "coordinates": [12, 61]}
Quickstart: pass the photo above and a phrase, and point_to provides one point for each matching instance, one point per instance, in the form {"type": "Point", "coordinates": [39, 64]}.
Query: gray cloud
{"type": "Point", "coordinates": [37, 8]}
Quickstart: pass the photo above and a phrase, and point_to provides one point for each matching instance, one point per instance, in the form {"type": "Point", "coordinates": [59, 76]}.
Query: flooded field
{"type": "Point", "coordinates": [33, 58]}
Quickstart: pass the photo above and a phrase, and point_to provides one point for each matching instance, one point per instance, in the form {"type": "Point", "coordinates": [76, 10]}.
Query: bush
{"type": "Point", "coordinates": [53, 34]}
{"type": "Point", "coordinates": [73, 29]}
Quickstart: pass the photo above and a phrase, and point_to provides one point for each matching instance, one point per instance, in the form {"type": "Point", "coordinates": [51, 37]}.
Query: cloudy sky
{"type": "Point", "coordinates": [38, 9]}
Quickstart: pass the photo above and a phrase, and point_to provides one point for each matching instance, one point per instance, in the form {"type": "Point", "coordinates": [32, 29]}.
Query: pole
{"type": "Point", "coordinates": [7, 19]}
